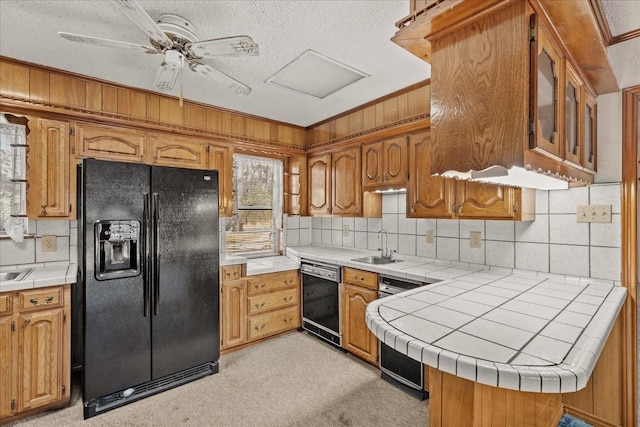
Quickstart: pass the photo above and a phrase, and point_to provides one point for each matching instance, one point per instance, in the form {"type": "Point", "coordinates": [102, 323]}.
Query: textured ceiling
{"type": "Point", "coordinates": [623, 15]}
{"type": "Point", "coordinates": [355, 33]}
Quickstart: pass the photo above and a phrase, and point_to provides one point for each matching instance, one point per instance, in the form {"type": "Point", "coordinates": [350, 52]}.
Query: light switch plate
{"type": "Point", "coordinates": [345, 231]}
{"type": "Point", "coordinates": [48, 243]}
{"type": "Point", "coordinates": [593, 213]}
{"type": "Point", "coordinates": [475, 239]}
{"type": "Point", "coordinates": [430, 236]}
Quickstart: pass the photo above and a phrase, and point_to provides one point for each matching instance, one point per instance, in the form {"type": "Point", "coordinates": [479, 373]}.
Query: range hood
{"type": "Point", "coordinates": [498, 99]}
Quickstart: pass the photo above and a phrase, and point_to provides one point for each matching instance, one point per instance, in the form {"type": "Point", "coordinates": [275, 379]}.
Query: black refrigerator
{"type": "Point", "coordinates": [148, 280]}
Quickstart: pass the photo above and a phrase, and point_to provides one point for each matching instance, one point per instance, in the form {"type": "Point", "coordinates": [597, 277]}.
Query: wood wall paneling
{"type": "Point", "coordinates": [14, 80]}
{"type": "Point", "coordinates": [39, 86]}
{"type": "Point", "coordinates": [153, 107]}
{"type": "Point", "coordinates": [131, 103]}
{"type": "Point", "coordinates": [93, 100]}
{"type": "Point", "coordinates": [170, 111]}
{"type": "Point", "coordinates": [67, 91]}
{"type": "Point", "coordinates": [214, 120]}
{"type": "Point", "coordinates": [109, 99]}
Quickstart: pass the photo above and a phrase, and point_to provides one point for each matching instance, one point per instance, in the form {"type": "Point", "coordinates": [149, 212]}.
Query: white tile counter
{"type": "Point", "coordinates": [41, 276]}
{"type": "Point", "coordinates": [519, 330]}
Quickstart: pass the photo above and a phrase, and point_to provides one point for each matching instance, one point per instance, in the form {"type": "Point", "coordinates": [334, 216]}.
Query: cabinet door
{"type": "Point", "coordinates": [372, 165]}
{"type": "Point", "coordinates": [51, 176]}
{"type": "Point", "coordinates": [573, 110]}
{"type": "Point", "coordinates": [170, 150]}
{"type": "Point", "coordinates": [395, 161]}
{"type": "Point", "coordinates": [346, 179]}
{"type": "Point", "coordinates": [357, 338]}
{"type": "Point", "coordinates": [590, 132]}
{"type": "Point", "coordinates": [221, 160]}
{"type": "Point", "coordinates": [6, 366]}
{"type": "Point", "coordinates": [40, 358]}
{"type": "Point", "coordinates": [319, 180]}
{"type": "Point", "coordinates": [427, 196]}
{"type": "Point", "coordinates": [488, 201]}
{"type": "Point", "coordinates": [546, 90]}
{"type": "Point", "coordinates": [111, 143]}
{"type": "Point", "coordinates": [233, 314]}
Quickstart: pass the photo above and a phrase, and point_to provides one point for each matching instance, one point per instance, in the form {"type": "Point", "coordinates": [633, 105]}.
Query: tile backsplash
{"type": "Point", "coordinates": [29, 250]}
{"type": "Point", "coordinates": [554, 243]}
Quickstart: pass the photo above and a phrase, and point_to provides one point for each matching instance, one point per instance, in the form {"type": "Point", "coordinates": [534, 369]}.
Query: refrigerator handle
{"type": "Point", "coordinates": [147, 253]}
{"type": "Point", "coordinates": [155, 255]}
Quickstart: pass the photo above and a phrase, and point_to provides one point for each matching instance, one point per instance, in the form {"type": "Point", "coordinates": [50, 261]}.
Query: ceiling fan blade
{"type": "Point", "coordinates": [227, 46]}
{"type": "Point", "coordinates": [169, 70]}
{"type": "Point", "coordinates": [220, 77]}
{"type": "Point", "coordinates": [141, 18]}
{"type": "Point", "coordinates": [107, 43]}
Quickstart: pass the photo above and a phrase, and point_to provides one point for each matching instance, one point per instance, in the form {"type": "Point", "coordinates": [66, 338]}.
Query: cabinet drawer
{"type": "Point", "coordinates": [231, 272]}
{"type": "Point", "coordinates": [40, 298]}
{"type": "Point", "coordinates": [271, 301]}
{"type": "Point", "coordinates": [274, 281]}
{"type": "Point", "coordinates": [5, 304]}
{"type": "Point", "coordinates": [362, 278]}
{"type": "Point", "coordinates": [276, 321]}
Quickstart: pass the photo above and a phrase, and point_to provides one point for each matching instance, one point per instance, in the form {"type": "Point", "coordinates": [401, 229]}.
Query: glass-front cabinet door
{"type": "Point", "coordinates": [573, 130]}
{"type": "Point", "coordinates": [590, 132]}
{"type": "Point", "coordinates": [545, 90]}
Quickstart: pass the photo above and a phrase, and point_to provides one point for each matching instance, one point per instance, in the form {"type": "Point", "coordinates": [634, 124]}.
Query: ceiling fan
{"type": "Point", "coordinates": [174, 37]}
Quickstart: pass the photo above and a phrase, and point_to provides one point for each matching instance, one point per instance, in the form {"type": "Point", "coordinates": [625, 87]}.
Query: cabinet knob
{"type": "Point", "coordinates": [49, 299]}
{"type": "Point", "coordinates": [33, 300]}
{"type": "Point", "coordinates": [259, 328]}
{"type": "Point", "coordinates": [26, 322]}
{"type": "Point", "coordinates": [259, 305]}
{"type": "Point", "coordinates": [515, 207]}
{"type": "Point", "coordinates": [44, 209]}
{"type": "Point", "coordinates": [413, 208]}
{"type": "Point", "coordinates": [288, 320]}
{"type": "Point", "coordinates": [288, 299]}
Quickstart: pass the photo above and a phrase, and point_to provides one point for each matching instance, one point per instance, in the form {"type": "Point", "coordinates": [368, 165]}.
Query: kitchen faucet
{"type": "Point", "coordinates": [385, 252]}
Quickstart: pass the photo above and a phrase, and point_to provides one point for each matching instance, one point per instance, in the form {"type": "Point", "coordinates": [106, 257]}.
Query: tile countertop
{"type": "Point", "coordinates": [511, 329]}
{"type": "Point", "coordinates": [41, 276]}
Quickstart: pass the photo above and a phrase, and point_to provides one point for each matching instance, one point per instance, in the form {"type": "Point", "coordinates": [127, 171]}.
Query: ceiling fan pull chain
{"type": "Point", "coordinates": [181, 77]}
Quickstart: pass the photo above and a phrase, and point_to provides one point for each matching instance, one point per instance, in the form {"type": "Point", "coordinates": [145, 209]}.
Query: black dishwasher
{"type": "Point", "coordinates": [395, 367]}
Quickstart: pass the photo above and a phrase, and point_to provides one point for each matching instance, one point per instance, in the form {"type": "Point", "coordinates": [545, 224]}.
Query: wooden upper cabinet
{"type": "Point", "coordinates": [346, 182]}
{"type": "Point", "coordinates": [546, 84]}
{"type": "Point", "coordinates": [500, 84]}
{"type": "Point", "coordinates": [384, 164]}
{"type": "Point", "coordinates": [221, 160]}
{"type": "Point", "coordinates": [427, 196]}
{"type": "Point", "coordinates": [111, 143]}
{"type": "Point", "coordinates": [52, 181]}
{"type": "Point", "coordinates": [319, 184]}
{"type": "Point", "coordinates": [172, 150]}
{"type": "Point", "coordinates": [478, 200]}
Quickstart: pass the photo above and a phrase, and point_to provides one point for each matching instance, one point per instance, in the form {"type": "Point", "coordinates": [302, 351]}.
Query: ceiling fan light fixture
{"type": "Point", "coordinates": [169, 70]}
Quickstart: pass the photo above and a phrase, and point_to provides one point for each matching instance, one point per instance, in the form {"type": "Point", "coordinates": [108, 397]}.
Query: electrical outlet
{"type": "Point", "coordinates": [48, 243]}
{"type": "Point", "coordinates": [430, 236]}
{"type": "Point", "coordinates": [345, 231]}
{"type": "Point", "coordinates": [593, 213]}
{"type": "Point", "coordinates": [475, 239]}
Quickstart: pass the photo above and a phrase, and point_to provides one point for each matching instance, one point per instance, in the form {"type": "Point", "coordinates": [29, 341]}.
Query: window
{"type": "Point", "coordinates": [254, 228]}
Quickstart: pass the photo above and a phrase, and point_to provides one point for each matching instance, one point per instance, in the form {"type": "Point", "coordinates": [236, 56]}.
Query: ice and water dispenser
{"type": "Point", "coordinates": [118, 249]}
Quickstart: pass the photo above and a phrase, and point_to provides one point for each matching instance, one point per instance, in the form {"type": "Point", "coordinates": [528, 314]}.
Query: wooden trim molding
{"type": "Point", "coordinates": [605, 30]}
{"type": "Point", "coordinates": [630, 113]}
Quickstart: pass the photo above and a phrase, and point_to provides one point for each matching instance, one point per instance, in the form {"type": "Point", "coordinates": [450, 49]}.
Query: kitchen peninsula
{"type": "Point", "coordinates": [499, 343]}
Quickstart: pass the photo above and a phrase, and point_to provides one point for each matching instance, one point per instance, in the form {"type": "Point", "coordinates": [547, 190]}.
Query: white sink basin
{"type": "Point", "coordinates": [16, 276]}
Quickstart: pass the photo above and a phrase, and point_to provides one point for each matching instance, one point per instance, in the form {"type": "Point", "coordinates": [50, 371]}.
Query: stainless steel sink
{"type": "Point", "coordinates": [376, 260]}
{"type": "Point", "coordinates": [14, 275]}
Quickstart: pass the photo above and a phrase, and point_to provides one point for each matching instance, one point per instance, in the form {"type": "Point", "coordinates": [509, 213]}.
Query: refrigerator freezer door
{"type": "Point", "coordinates": [117, 343]}
{"type": "Point", "coordinates": [185, 320]}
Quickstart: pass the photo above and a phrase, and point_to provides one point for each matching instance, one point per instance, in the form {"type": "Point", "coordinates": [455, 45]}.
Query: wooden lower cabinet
{"type": "Point", "coordinates": [35, 351]}
{"type": "Point", "coordinates": [359, 289]}
{"type": "Point", "coordinates": [233, 302]}
{"type": "Point", "coordinates": [257, 307]}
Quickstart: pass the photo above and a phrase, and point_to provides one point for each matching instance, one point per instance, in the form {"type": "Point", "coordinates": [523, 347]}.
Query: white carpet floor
{"type": "Point", "coordinates": [291, 380]}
